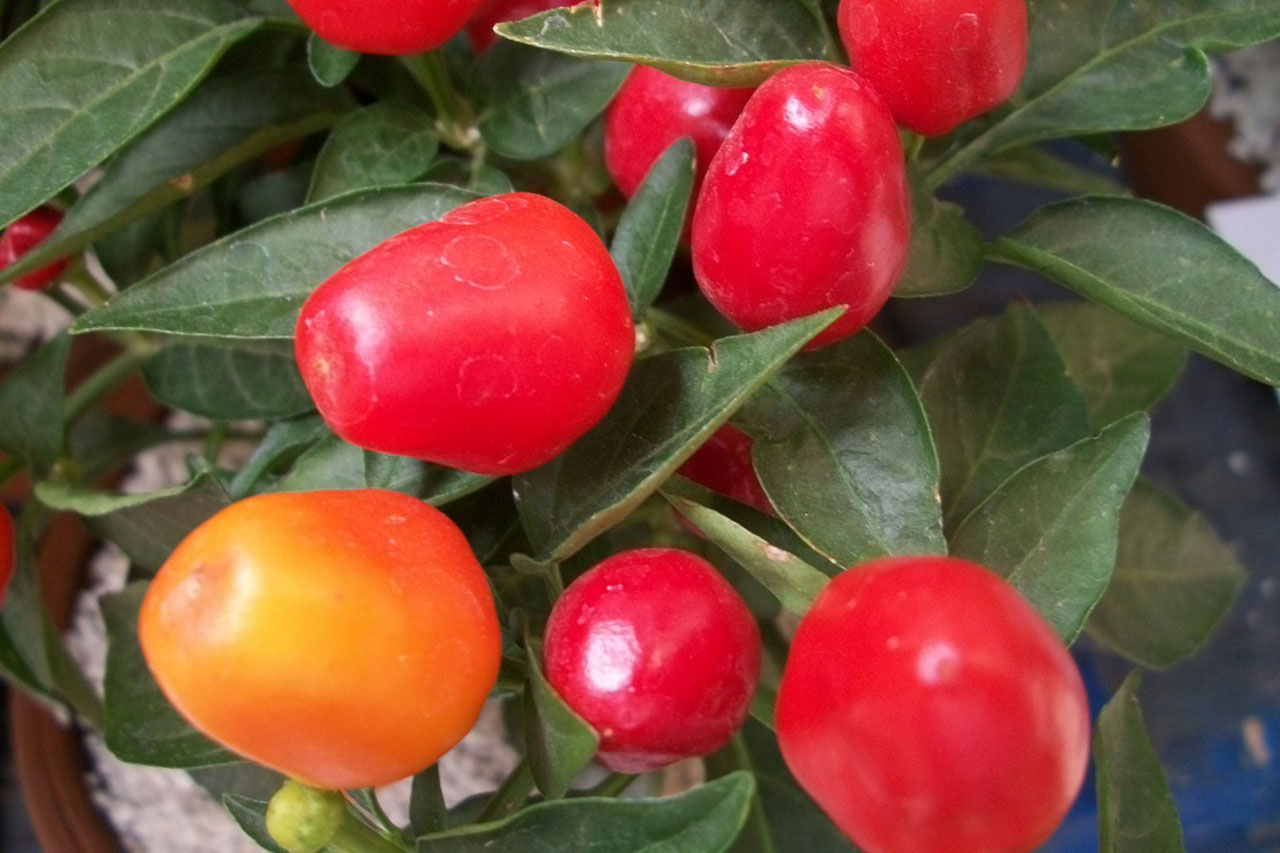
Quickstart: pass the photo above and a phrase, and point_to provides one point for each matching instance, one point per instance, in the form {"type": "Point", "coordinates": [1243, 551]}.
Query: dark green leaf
{"type": "Point", "coordinates": [251, 816]}
{"type": "Point", "coordinates": [533, 102]}
{"type": "Point", "coordinates": [332, 463]}
{"type": "Point", "coordinates": [703, 820]}
{"type": "Point", "coordinates": [25, 630]}
{"type": "Point", "coordinates": [329, 63]}
{"type": "Point", "coordinates": [458, 172]}
{"type": "Point", "coordinates": [997, 396]}
{"type": "Point", "coordinates": [649, 230]}
{"type": "Point", "coordinates": [795, 822]}
{"type": "Point", "coordinates": [792, 581]}
{"type": "Point", "coordinates": [100, 442]}
{"type": "Point", "coordinates": [282, 440]}
{"type": "Point", "coordinates": [31, 399]}
{"type": "Point", "coordinates": [1161, 269]}
{"type": "Point", "coordinates": [1034, 164]}
{"type": "Point", "coordinates": [1119, 366]}
{"type": "Point", "coordinates": [558, 742]}
{"type": "Point", "coordinates": [427, 812]}
{"type": "Point", "coordinates": [252, 283]}
{"type": "Point", "coordinates": [1136, 813]}
{"type": "Point", "coordinates": [224, 123]}
{"type": "Point", "coordinates": [946, 251]}
{"type": "Point", "coordinates": [86, 76]}
{"type": "Point", "coordinates": [274, 192]}
{"type": "Point", "coordinates": [1051, 529]}
{"type": "Point", "coordinates": [243, 380]}
{"type": "Point", "coordinates": [1174, 581]}
{"type": "Point", "coordinates": [132, 251]}
{"type": "Point", "coordinates": [147, 527]}
{"type": "Point", "coordinates": [718, 42]}
{"type": "Point", "coordinates": [244, 778]}
{"type": "Point", "coordinates": [142, 727]}
{"type": "Point", "coordinates": [1097, 66]}
{"type": "Point", "coordinates": [390, 142]}
{"type": "Point", "coordinates": [669, 406]}
{"type": "Point", "coordinates": [844, 453]}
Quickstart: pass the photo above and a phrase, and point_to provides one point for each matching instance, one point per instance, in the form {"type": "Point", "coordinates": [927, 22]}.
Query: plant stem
{"type": "Point", "coordinates": [55, 295]}
{"type": "Point", "coordinates": [213, 442]}
{"type": "Point", "coordinates": [677, 329]}
{"type": "Point", "coordinates": [86, 285]}
{"type": "Point", "coordinates": [763, 704]}
{"type": "Point", "coordinates": [511, 795]}
{"type": "Point", "coordinates": [613, 786]}
{"type": "Point", "coordinates": [454, 120]}
{"type": "Point", "coordinates": [106, 379]}
{"type": "Point", "coordinates": [912, 144]}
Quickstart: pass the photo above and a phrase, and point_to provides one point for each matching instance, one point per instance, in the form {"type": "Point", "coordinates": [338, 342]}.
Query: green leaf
{"type": "Point", "coordinates": [489, 180]}
{"type": "Point", "coordinates": [717, 42]}
{"type": "Point", "coordinates": [332, 463]}
{"type": "Point", "coordinates": [240, 380]}
{"type": "Point", "coordinates": [427, 812]}
{"type": "Point", "coordinates": [284, 439]}
{"type": "Point", "coordinates": [1161, 269]}
{"type": "Point", "coordinates": [843, 451]}
{"type": "Point", "coordinates": [1119, 366]}
{"type": "Point", "coordinates": [1136, 812]}
{"type": "Point", "coordinates": [251, 816]}
{"type": "Point", "coordinates": [387, 143]}
{"type": "Point", "coordinates": [25, 631]}
{"type": "Point", "coordinates": [533, 102]}
{"type": "Point", "coordinates": [252, 283]}
{"type": "Point", "coordinates": [649, 230]}
{"type": "Point", "coordinates": [329, 63]}
{"type": "Point", "coordinates": [228, 121]}
{"type": "Point", "coordinates": [558, 741]}
{"type": "Point", "coordinates": [273, 193]}
{"type": "Point", "coordinates": [1097, 66]}
{"type": "Point", "coordinates": [141, 726]}
{"type": "Point", "coordinates": [795, 822]}
{"type": "Point", "coordinates": [1036, 165]}
{"type": "Point", "coordinates": [86, 76]}
{"type": "Point", "coordinates": [100, 442]}
{"type": "Point", "coordinates": [705, 819]}
{"type": "Point", "coordinates": [1052, 528]}
{"type": "Point", "coordinates": [792, 581]}
{"type": "Point", "coordinates": [147, 527]}
{"type": "Point", "coordinates": [997, 396]}
{"type": "Point", "coordinates": [1174, 581]}
{"type": "Point", "coordinates": [31, 398]}
{"type": "Point", "coordinates": [669, 405]}
{"type": "Point", "coordinates": [946, 251]}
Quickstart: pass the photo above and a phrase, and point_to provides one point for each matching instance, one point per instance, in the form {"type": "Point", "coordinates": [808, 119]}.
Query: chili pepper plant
{"type": "Point", "coordinates": [556, 371]}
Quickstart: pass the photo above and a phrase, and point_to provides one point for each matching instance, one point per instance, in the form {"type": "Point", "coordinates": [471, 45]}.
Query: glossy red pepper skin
{"type": "Point", "coordinates": [937, 63]}
{"type": "Point", "coordinates": [25, 234]}
{"type": "Point", "coordinates": [805, 206]}
{"type": "Point", "coordinates": [652, 110]}
{"type": "Point", "coordinates": [386, 27]}
{"type": "Point", "coordinates": [488, 340]}
{"type": "Point", "coordinates": [723, 464]}
{"type": "Point", "coordinates": [926, 706]}
{"type": "Point", "coordinates": [658, 653]}
{"type": "Point", "coordinates": [493, 12]}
